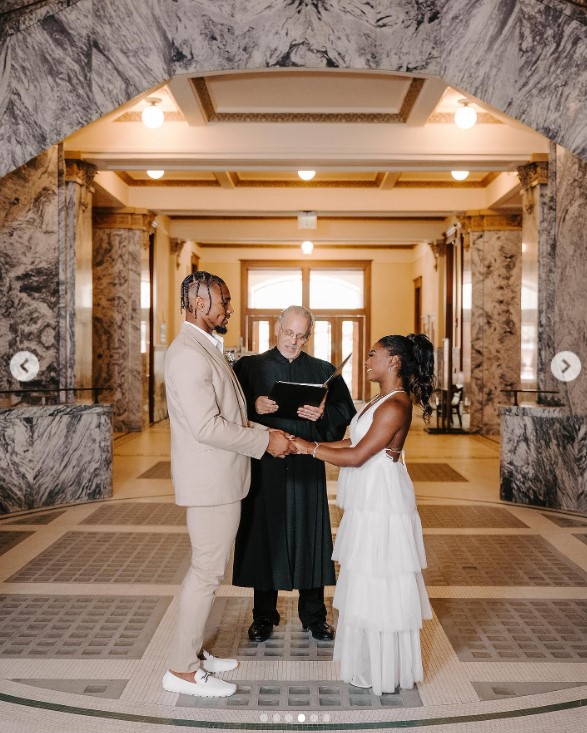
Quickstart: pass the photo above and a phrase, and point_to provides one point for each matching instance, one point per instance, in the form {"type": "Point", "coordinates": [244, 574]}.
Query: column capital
{"type": "Point", "coordinates": [79, 171]}
{"type": "Point", "coordinates": [533, 174]}
{"type": "Point", "coordinates": [175, 248]}
{"type": "Point", "coordinates": [476, 221]}
{"type": "Point", "coordinates": [123, 219]}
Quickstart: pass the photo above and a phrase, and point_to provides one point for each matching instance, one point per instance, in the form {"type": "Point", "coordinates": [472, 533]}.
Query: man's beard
{"type": "Point", "coordinates": [221, 329]}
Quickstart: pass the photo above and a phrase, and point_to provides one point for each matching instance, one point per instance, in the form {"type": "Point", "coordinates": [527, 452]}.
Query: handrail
{"type": "Point", "coordinates": [533, 391]}
{"type": "Point", "coordinates": [45, 390]}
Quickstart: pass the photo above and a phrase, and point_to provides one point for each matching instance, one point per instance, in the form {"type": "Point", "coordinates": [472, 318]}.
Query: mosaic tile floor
{"type": "Point", "coordinates": [88, 602]}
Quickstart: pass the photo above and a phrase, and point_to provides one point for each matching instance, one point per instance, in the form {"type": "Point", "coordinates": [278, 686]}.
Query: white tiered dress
{"type": "Point", "coordinates": [380, 593]}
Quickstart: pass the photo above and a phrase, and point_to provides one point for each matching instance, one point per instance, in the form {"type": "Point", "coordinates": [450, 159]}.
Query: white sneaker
{"type": "Point", "coordinates": [214, 664]}
{"type": "Point", "coordinates": [204, 686]}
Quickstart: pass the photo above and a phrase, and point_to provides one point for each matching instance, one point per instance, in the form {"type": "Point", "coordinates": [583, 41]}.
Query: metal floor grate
{"type": "Point", "coordinates": [319, 696]}
{"type": "Point", "coordinates": [81, 627]}
{"type": "Point", "coordinates": [110, 557]}
{"type": "Point", "coordinates": [503, 630]}
{"type": "Point", "coordinates": [433, 472]}
{"type": "Point", "coordinates": [498, 560]}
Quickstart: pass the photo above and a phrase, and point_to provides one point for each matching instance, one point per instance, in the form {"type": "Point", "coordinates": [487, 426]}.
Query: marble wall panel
{"type": "Point", "coordinates": [571, 272]}
{"type": "Point", "coordinates": [479, 45]}
{"type": "Point", "coordinates": [548, 99]}
{"type": "Point", "coordinates": [495, 324]}
{"type": "Point", "coordinates": [40, 107]}
{"type": "Point", "coordinates": [408, 35]}
{"type": "Point", "coordinates": [29, 276]}
{"type": "Point", "coordinates": [131, 49]}
{"type": "Point", "coordinates": [54, 455]}
{"type": "Point", "coordinates": [116, 323]}
{"type": "Point", "coordinates": [544, 458]}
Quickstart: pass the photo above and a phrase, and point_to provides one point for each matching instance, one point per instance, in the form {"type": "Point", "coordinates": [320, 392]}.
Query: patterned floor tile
{"type": "Point", "coordinates": [563, 521]}
{"type": "Point", "coordinates": [34, 518]}
{"type": "Point", "coordinates": [318, 696]}
{"type": "Point", "coordinates": [498, 560]}
{"type": "Point", "coordinates": [110, 557]}
{"type": "Point", "coordinates": [85, 627]}
{"type": "Point", "coordinates": [9, 539]}
{"type": "Point", "coordinates": [505, 630]}
{"type": "Point", "coordinates": [139, 513]}
{"type": "Point", "coordinates": [455, 516]}
{"type": "Point", "coordinates": [161, 470]}
{"type": "Point", "coordinates": [226, 633]}
{"type": "Point", "coordinates": [433, 472]}
{"type": "Point", "coordinates": [507, 688]}
{"type": "Point", "coordinates": [109, 689]}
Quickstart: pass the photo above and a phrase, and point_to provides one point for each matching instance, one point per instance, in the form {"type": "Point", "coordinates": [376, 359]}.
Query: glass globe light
{"type": "Point", "coordinates": [152, 116]}
{"type": "Point", "coordinates": [155, 174]}
{"type": "Point", "coordinates": [459, 175]}
{"type": "Point", "coordinates": [306, 175]}
{"type": "Point", "coordinates": [307, 247]}
{"type": "Point", "coordinates": [465, 117]}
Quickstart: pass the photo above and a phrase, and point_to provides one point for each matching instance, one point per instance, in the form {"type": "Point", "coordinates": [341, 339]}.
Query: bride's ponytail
{"type": "Point", "coordinates": [416, 366]}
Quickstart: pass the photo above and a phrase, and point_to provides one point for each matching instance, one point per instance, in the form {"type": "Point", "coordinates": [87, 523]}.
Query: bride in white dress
{"type": "Point", "coordinates": [380, 594]}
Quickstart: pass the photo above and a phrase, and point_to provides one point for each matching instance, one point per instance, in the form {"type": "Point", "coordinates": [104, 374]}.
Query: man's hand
{"type": "Point", "coordinates": [310, 412]}
{"type": "Point", "coordinates": [265, 406]}
{"type": "Point", "coordinates": [279, 444]}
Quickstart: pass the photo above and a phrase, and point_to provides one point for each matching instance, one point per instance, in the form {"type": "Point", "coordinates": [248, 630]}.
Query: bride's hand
{"type": "Point", "coordinates": [302, 446]}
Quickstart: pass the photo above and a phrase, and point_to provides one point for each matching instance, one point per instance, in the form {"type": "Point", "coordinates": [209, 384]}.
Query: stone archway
{"type": "Point", "coordinates": [63, 67]}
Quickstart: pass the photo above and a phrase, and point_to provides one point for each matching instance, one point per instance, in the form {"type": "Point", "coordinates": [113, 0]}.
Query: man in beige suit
{"type": "Point", "coordinates": [211, 444]}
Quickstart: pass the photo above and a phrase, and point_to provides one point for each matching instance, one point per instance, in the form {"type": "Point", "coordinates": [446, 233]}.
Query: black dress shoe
{"type": "Point", "coordinates": [320, 630]}
{"type": "Point", "coordinates": [260, 629]}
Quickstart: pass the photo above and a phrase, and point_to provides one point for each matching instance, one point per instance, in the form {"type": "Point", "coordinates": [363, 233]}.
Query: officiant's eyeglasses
{"type": "Point", "coordinates": [301, 337]}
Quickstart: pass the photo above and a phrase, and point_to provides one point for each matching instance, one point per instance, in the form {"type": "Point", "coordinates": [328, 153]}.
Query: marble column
{"type": "Point", "coordinates": [35, 276]}
{"type": "Point", "coordinates": [120, 239]}
{"type": "Point", "coordinates": [570, 312]}
{"type": "Point", "coordinates": [538, 267]}
{"type": "Point", "coordinates": [77, 239]}
{"type": "Point", "coordinates": [493, 242]}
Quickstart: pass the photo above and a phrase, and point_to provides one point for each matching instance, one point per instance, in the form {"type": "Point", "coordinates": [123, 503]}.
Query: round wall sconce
{"type": "Point", "coordinates": [459, 175]}
{"type": "Point", "coordinates": [155, 174]}
{"type": "Point", "coordinates": [306, 175]}
{"type": "Point", "coordinates": [465, 116]}
{"type": "Point", "coordinates": [307, 247]}
{"type": "Point", "coordinates": [152, 116]}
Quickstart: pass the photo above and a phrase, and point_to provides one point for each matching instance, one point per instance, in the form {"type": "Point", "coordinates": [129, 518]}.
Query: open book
{"type": "Point", "coordinates": [290, 396]}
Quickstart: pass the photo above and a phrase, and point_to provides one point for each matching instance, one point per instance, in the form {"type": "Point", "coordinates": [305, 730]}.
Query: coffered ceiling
{"type": "Point", "coordinates": [383, 147]}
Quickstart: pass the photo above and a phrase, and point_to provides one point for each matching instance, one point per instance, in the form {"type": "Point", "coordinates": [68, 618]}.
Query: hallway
{"type": "Point", "coordinates": [88, 592]}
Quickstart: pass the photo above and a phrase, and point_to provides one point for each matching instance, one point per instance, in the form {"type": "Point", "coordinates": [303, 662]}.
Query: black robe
{"type": "Point", "coordinates": [284, 539]}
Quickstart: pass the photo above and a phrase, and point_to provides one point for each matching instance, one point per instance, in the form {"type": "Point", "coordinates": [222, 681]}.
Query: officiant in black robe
{"type": "Point", "coordinates": [284, 540]}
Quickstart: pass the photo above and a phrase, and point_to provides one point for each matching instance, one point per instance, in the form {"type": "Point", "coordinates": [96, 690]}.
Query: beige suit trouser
{"type": "Point", "coordinates": [212, 530]}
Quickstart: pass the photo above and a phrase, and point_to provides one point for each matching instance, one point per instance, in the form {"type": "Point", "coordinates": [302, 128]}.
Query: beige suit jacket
{"type": "Point", "coordinates": [211, 437]}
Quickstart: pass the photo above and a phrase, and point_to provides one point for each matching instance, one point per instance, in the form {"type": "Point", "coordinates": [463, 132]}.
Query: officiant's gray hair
{"type": "Point", "coordinates": [298, 310]}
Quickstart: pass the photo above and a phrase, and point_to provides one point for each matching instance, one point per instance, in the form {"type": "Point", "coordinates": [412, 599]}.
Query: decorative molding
{"type": "Point", "coordinates": [490, 222]}
{"type": "Point", "coordinates": [161, 182]}
{"type": "Point", "coordinates": [439, 248]}
{"type": "Point", "coordinates": [132, 116]}
{"type": "Point", "coordinates": [175, 248]}
{"type": "Point", "coordinates": [207, 105]}
{"type": "Point", "coordinates": [317, 245]}
{"type": "Point", "coordinates": [125, 219]}
{"type": "Point", "coordinates": [483, 118]}
{"type": "Point", "coordinates": [79, 171]}
{"type": "Point", "coordinates": [533, 174]}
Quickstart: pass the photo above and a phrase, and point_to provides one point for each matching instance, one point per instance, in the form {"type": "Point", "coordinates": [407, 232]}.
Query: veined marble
{"type": "Point", "coordinates": [30, 272]}
{"type": "Point", "coordinates": [54, 455]}
{"type": "Point", "coordinates": [116, 334]}
{"type": "Point", "coordinates": [527, 58]}
{"type": "Point", "coordinates": [495, 322]}
{"type": "Point", "coordinates": [571, 272]}
{"type": "Point", "coordinates": [544, 458]}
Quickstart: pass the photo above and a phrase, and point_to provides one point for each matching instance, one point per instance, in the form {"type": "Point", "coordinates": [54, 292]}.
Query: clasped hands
{"type": "Point", "coordinates": [282, 444]}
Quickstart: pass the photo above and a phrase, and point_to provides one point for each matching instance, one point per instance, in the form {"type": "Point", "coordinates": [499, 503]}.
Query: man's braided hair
{"type": "Point", "coordinates": [191, 285]}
